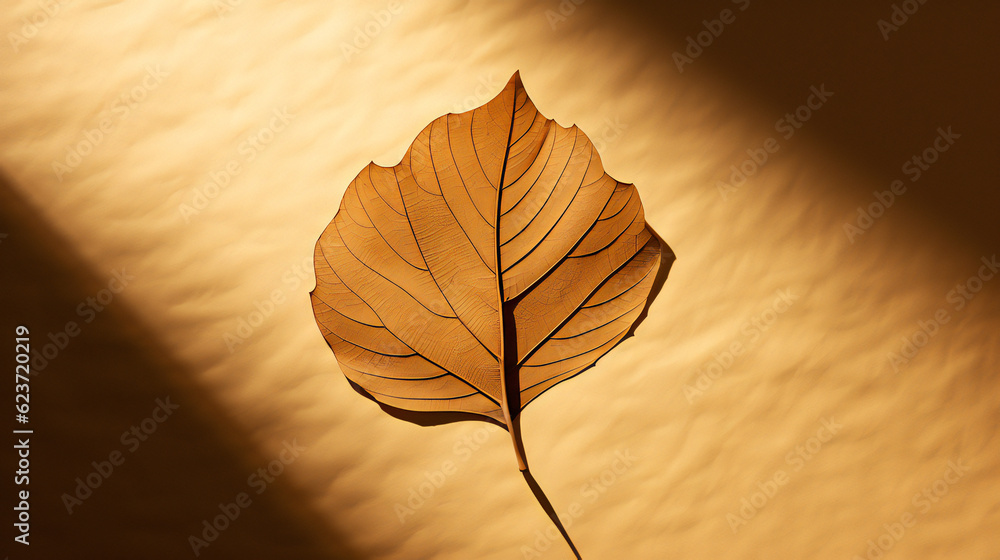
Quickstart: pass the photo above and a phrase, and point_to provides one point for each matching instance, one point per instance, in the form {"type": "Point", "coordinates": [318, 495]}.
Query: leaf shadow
{"type": "Point", "coordinates": [435, 418]}
{"type": "Point", "coordinates": [547, 506]}
{"type": "Point", "coordinates": [667, 258]}
{"type": "Point", "coordinates": [420, 418]}
{"type": "Point", "coordinates": [427, 419]}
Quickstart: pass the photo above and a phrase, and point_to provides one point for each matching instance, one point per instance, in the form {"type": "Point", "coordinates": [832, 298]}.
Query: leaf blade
{"type": "Point", "coordinates": [497, 257]}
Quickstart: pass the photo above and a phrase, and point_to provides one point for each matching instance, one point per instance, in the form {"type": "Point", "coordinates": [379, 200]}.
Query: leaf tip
{"type": "Point", "coordinates": [515, 81]}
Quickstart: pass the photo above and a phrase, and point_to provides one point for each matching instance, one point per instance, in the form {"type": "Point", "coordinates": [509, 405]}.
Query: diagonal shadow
{"type": "Point", "coordinates": [891, 92]}
{"type": "Point", "coordinates": [104, 379]}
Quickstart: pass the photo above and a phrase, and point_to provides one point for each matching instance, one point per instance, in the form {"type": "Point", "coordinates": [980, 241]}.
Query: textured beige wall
{"type": "Point", "coordinates": [183, 92]}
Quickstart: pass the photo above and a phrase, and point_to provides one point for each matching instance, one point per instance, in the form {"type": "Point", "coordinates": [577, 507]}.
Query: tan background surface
{"type": "Point", "coordinates": [674, 134]}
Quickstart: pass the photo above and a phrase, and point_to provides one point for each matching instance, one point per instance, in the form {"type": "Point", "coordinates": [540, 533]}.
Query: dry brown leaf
{"type": "Point", "coordinates": [430, 306]}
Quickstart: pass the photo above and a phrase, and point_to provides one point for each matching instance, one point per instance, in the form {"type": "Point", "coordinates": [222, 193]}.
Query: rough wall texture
{"type": "Point", "coordinates": [769, 407]}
